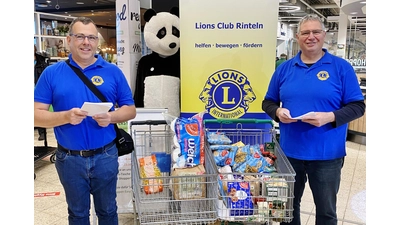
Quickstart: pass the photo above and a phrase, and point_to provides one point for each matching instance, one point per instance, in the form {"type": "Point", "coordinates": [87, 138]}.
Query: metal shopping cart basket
{"type": "Point", "coordinates": [166, 198]}
{"type": "Point", "coordinates": [247, 193]}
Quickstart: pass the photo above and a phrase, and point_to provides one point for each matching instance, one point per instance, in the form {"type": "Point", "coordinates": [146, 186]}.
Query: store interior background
{"type": "Point", "coordinates": [344, 19]}
{"type": "Point", "coordinates": [336, 13]}
{"type": "Point", "coordinates": [383, 85]}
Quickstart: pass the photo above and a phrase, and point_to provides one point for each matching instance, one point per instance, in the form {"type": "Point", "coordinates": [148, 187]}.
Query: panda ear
{"type": "Point", "coordinates": [148, 14]}
{"type": "Point", "coordinates": [174, 11]}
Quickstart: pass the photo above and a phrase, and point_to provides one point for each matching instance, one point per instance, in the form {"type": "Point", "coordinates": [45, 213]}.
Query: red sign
{"type": "Point", "coordinates": [46, 194]}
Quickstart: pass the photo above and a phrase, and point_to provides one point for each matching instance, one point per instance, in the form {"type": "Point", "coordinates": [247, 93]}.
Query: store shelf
{"type": "Point", "coordinates": [45, 18]}
{"type": "Point", "coordinates": [49, 36]}
{"type": "Point", "coordinates": [58, 58]}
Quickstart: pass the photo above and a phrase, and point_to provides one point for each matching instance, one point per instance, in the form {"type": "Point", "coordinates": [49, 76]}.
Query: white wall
{"type": "Point", "coordinates": [284, 34]}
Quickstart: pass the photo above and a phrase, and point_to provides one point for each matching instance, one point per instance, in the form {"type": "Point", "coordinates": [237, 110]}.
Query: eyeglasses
{"type": "Point", "coordinates": [81, 37]}
{"type": "Point", "coordinates": [306, 33]}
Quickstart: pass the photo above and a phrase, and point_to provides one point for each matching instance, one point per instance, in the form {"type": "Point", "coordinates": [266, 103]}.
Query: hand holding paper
{"type": "Point", "coordinates": [309, 115]}
{"type": "Point", "coordinates": [94, 108]}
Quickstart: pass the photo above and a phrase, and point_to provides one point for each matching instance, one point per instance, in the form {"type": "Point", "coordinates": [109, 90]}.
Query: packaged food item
{"type": "Point", "coordinates": [268, 151]}
{"type": "Point", "coordinates": [278, 210]}
{"type": "Point", "coordinates": [238, 144]}
{"type": "Point", "coordinates": [163, 161]}
{"type": "Point", "coordinates": [270, 147]}
{"type": "Point", "coordinates": [254, 162]}
{"type": "Point", "coordinates": [225, 175]}
{"type": "Point", "coordinates": [276, 189]}
{"type": "Point", "coordinates": [255, 186]}
{"type": "Point", "coordinates": [199, 117]}
{"type": "Point", "coordinates": [221, 147]}
{"type": "Point", "coordinates": [218, 138]}
{"type": "Point", "coordinates": [239, 157]}
{"type": "Point", "coordinates": [263, 209]}
{"type": "Point", "coordinates": [239, 199]}
{"type": "Point", "coordinates": [189, 136]}
{"type": "Point", "coordinates": [188, 185]}
{"type": "Point", "coordinates": [226, 159]}
{"type": "Point", "coordinates": [149, 169]}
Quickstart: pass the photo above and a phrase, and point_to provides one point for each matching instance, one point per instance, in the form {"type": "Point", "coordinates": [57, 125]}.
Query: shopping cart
{"type": "Point", "coordinates": [41, 152]}
{"type": "Point", "coordinates": [259, 197]}
{"type": "Point", "coordinates": [168, 198]}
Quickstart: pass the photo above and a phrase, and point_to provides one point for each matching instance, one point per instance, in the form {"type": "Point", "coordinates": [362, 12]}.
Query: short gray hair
{"type": "Point", "coordinates": [310, 17]}
{"type": "Point", "coordinates": [84, 20]}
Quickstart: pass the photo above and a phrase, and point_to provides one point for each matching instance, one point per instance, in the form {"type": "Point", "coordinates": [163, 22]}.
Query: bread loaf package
{"type": "Point", "coordinates": [188, 184]}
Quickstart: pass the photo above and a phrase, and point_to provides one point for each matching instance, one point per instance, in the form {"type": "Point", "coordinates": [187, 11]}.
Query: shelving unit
{"type": "Point", "coordinates": [40, 37]}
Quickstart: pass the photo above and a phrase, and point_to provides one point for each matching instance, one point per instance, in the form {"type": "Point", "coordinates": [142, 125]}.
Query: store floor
{"type": "Point", "coordinates": [50, 207]}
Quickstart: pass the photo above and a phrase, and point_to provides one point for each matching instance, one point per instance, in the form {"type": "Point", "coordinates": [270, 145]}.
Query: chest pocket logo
{"type": "Point", "coordinates": [97, 80]}
{"type": "Point", "coordinates": [323, 75]}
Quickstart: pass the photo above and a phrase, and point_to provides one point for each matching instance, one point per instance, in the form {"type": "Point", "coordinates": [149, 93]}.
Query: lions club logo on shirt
{"type": "Point", "coordinates": [323, 75]}
{"type": "Point", "coordinates": [97, 80]}
{"type": "Point", "coordinates": [227, 94]}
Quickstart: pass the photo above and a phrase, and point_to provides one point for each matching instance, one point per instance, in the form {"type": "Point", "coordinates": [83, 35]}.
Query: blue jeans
{"type": "Point", "coordinates": [324, 181]}
{"type": "Point", "coordinates": [82, 176]}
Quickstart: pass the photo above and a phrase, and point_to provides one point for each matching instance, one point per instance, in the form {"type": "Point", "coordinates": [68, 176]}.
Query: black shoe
{"type": "Point", "coordinates": [41, 137]}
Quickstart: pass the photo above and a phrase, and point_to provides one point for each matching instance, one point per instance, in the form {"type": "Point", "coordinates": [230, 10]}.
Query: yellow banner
{"type": "Point", "coordinates": [227, 55]}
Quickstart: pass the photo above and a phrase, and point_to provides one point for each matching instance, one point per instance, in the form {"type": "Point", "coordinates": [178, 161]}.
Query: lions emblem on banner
{"type": "Point", "coordinates": [227, 94]}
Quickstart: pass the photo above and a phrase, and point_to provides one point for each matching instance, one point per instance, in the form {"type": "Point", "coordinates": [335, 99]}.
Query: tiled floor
{"type": "Point", "coordinates": [50, 208]}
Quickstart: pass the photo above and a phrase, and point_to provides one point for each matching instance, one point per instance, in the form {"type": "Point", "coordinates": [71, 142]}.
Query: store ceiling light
{"type": "Point", "coordinates": [288, 8]}
{"type": "Point", "coordinates": [289, 19]}
{"type": "Point", "coordinates": [42, 5]}
{"type": "Point", "coordinates": [80, 3]}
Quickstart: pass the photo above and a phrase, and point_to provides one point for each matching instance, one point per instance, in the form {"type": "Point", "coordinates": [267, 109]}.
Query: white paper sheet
{"type": "Point", "coordinates": [309, 115]}
{"type": "Point", "coordinates": [94, 108]}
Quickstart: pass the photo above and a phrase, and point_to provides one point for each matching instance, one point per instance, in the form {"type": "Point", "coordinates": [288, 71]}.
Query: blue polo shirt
{"type": "Point", "coordinates": [61, 87]}
{"type": "Point", "coordinates": [326, 86]}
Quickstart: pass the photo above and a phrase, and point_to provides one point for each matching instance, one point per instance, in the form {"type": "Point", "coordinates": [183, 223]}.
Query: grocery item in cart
{"type": "Point", "coordinates": [252, 162]}
{"type": "Point", "coordinates": [224, 156]}
{"type": "Point", "coordinates": [189, 194]}
{"type": "Point", "coordinates": [271, 190]}
{"type": "Point", "coordinates": [218, 138]}
{"type": "Point", "coordinates": [276, 188]}
{"type": "Point", "coordinates": [278, 210]}
{"type": "Point", "coordinates": [190, 137]}
{"type": "Point", "coordinates": [239, 198]}
{"type": "Point", "coordinates": [149, 169]}
{"type": "Point", "coordinates": [255, 186]}
{"type": "Point", "coordinates": [189, 185]}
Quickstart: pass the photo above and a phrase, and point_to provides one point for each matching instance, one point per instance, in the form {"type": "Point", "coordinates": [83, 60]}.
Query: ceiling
{"type": "Point", "coordinates": [103, 11]}
{"type": "Point", "coordinates": [329, 10]}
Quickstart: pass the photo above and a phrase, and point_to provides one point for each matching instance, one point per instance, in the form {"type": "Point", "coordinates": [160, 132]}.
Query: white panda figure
{"type": "Point", "coordinates": [158, 73]}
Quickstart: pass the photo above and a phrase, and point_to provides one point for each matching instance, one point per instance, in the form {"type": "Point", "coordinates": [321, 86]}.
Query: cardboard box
{"type": "Point", "coordinates": [189, 185]}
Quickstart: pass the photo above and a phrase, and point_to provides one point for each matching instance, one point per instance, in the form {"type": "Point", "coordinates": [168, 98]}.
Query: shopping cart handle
{"type": "Point", "coordinates": [235, 121]}
{"type": "Point", "coordinates": [148, 122]}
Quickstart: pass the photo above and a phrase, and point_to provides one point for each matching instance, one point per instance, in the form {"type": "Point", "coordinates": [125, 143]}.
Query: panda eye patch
{"type": "Point", "coordinates": [161, 33]}
{"type": "Point", "coordinates": [175, 31]}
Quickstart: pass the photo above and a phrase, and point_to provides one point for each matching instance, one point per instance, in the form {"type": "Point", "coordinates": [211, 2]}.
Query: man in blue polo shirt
{"type": "Point", "coordinates": [86, 157]}
{"type": "Point", "coordinates": [326, 87]}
